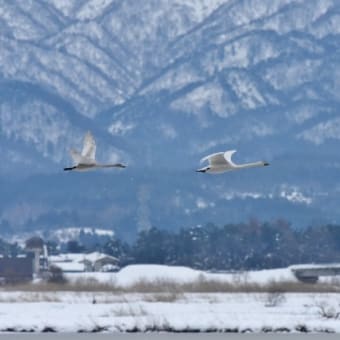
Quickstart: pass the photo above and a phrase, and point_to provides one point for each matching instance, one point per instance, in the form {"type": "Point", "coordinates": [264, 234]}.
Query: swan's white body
{"type": "Point", "coordinates": [86, 159]}
{"type": "Point", "coordinates": [221, 162]}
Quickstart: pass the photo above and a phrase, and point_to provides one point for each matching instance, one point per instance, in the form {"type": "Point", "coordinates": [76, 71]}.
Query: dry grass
{"type": "Point", "coordinates": [168, 290]}
{"type": "Point", "coordinates": [83, 285]}
{"type": "Point", "coordinates": [158, 291]}
{"type": "Point", "coordinates": [30, 297]}
{"type": "Point", "coordinates": [128, 310]}
{"type": "Point", "coordinates": [163, 297]}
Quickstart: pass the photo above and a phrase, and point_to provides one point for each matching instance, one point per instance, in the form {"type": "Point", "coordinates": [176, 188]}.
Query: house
{"type": "Point", "coordinates": [100, 262]}
{"type": "Point", "coordinates": [79, 262]}
{"type": "Point", "coordinates": [70, 266]}
{"type": "Point", "coordinates": [68, 263]}
{"type": "Point", "coordinates": [16, 269]}
{"type": "Point", "coordinates": [310, 273]}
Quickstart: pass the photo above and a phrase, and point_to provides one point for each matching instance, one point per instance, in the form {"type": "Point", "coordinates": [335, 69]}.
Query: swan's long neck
{"type": "Point", "coordinates": [117, 165]}
{"type": "Point", "coordinates": [251, 165]}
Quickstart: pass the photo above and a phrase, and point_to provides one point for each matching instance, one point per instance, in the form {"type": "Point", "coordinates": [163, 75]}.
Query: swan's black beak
{"type": "Point", "coordinates": [201, 170]}
{"type": "Point", "coordinates": [265, 164]}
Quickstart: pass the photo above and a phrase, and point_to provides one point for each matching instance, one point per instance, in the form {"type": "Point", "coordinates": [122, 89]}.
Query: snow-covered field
{"type": "Point", "coordinates": [133, 274]}
{"type": "Point", "coordinates": [75, 311]}
{"type": "Point", "coordinates": [237, 312]}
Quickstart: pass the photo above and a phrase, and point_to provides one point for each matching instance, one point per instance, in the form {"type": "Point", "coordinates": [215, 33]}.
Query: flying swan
{"type": "Point", "coordinates": [86, 159]}
{"type": "Point", "coordinates": [221, 162]}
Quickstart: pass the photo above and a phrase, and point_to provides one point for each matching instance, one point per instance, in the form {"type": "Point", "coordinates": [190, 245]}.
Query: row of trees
{"type": "Point", "coordinates": [251, 245]}
{"type": "Point", "coordinates": [234, 246]}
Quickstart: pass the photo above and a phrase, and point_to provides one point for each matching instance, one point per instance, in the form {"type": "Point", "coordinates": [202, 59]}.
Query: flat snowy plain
{"type": "Point", "coordinates": [167, 336]}
{"type": "Point", "coordinates": [170, 310]}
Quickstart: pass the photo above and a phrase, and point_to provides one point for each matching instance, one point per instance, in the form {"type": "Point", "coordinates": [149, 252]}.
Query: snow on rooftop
{"type": "Point", "coordinates": [78, 257]}
{"type": "Point", "coordinates": [70, 257]}
{"type": "Point", "coordinates": [314, 266]}
{"type": "Point", "coordinates": [71, 266]}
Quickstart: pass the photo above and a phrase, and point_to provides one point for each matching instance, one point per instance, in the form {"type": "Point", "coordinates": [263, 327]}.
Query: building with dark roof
{"type": "Point", "coordinates": [16, 269]}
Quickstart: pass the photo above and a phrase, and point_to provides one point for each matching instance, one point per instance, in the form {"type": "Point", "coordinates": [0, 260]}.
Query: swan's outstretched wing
{"type": "Point", "coordinates": [79, 159]}
{"type": "Point", "coordinates": [227, 156]}
{"type": "Point", "coordinates": [215, 158]}
{"type": "Point", "coordinates": [76, 156]}
{"type": "Point", "coordinates": [89, 148]}
{"type": "Point", "coordinates": [220, 158]}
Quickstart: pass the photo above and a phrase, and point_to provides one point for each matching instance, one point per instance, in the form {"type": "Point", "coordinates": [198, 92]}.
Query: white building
{"type": "Point", "coordinates": [79, 262]}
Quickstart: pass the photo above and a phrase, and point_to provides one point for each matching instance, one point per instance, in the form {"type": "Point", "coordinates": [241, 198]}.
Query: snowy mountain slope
{"type": "Point", "coordinates": [161, 84]}
{"type": "Point", "coordinates": [253, 70]}
{"type": "Point", "coordinates": [38, 127]}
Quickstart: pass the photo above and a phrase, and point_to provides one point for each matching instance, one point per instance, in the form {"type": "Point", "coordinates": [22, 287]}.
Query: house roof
{"type": "Point", "coordinates": [95, 256]}
{"type": "Point", "coordinates": [70, 266]}
{"type": "Point", "coordinates": [80, 257]}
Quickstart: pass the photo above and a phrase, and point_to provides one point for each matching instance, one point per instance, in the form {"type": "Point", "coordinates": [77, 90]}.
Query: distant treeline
{"type": "Point", "coordinates": [251, 245]}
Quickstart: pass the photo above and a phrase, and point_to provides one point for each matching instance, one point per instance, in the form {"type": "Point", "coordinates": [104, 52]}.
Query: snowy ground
{"type": "Point", "coordinates": [225, 312]}
{"type": "Point", "coordinates": [133, 274]}
{"type": "Point", "coordinates": [75, 311]}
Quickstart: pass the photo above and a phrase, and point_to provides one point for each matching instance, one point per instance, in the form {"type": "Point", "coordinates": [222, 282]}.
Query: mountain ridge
{"type": "Point", "coordinates": [160, 85]}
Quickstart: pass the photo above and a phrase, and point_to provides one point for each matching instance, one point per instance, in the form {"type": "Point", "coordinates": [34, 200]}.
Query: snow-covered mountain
{"type": "Point", "coordinates": [162, 83]}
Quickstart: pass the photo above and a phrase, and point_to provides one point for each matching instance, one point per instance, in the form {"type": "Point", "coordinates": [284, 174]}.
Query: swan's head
{"type": "Point", "coordinates": [205, 169]}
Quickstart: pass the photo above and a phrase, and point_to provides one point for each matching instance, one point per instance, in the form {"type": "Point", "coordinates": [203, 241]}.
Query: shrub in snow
{"type": "Point", "coordinates": [275, 296]}
{"type": "Point", "coordinates": [241, 278]}
{"type": "Point", "coordinates": [326, 311]}
{"type": "Point", "coordinates": [56, 275]}
{"type": "Point", "coordinates": [274, 299]}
